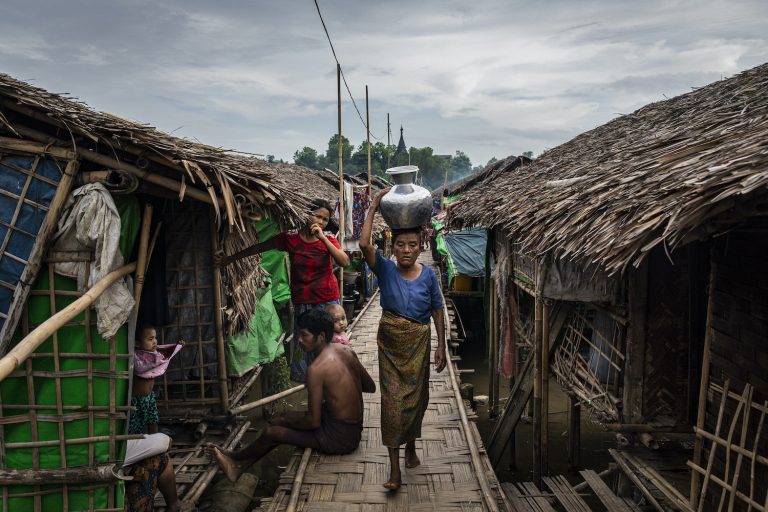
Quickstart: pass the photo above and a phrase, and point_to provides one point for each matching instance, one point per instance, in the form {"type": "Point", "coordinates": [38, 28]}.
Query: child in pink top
{"type": "Point", "coordinates": [339, 318]}
{"type": "Point", "coordinates": [150, 360]}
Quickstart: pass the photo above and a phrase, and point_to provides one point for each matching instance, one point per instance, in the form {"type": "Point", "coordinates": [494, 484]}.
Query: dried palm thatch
{"type": "Point", "coordinates": [669, 173]}
{"type": "Point", "coordinates": [491, 171]}
{"type": "Point", "coordinates": [237, 183]}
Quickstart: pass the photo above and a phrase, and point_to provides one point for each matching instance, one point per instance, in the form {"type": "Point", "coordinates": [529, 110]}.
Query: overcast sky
{"type": "Point", "coordinates": [490, 78]}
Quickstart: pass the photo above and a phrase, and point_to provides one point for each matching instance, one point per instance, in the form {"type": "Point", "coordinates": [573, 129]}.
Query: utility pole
{"type": "Point", "coordinates": [341, 179]}
{"type": "Point", "coordinates": [368, 130]}
{"type": "Point", "coordinates": [389, 140]}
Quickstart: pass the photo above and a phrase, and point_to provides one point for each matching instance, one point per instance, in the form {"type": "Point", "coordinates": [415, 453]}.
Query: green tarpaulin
{"type": "Point", "coordinates": [274, 262]}
{"type": "Point", "coordinates": [73, 379]}
{"type": "Point", "coordinates": [261, 342]}
{"type": "Point", "coordinates": [443, 249]}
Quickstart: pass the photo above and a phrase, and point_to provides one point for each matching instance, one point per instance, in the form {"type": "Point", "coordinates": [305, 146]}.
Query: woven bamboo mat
{"type": "Point", "coordinates": [445, 481]}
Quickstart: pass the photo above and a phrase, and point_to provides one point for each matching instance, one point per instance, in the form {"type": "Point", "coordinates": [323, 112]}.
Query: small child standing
{"type": "Point", "coordinates": [339, 318]}
{"type": "Point", "coordinates": [150, 361]}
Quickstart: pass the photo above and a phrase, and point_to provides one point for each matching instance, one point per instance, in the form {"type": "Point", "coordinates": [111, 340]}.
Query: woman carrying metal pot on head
{"type": "Point", "coordinates": [313, 284]}
{"type": "Point", "coordinates": [410, 298]}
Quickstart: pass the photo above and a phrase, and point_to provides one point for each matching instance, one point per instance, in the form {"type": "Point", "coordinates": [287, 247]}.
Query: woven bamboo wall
{"type": "Point", "coordinates": [737, 397]}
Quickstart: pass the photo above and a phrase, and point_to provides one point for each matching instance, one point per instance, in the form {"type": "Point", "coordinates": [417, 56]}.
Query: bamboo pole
{"type": "Point", "coordinates": [34, 339]}
{"type": "Point", "coordinates": [266, 400]}
{"type": "Point", "coordinates": [341, 181]}
{"type": "Point", "coordinates": [703, 385]}
{"type": "Point", "coordinates": [142, 259]}
{"type": "Point", "coordinates": [77, 475]}
{"type": "Point", "coordinates": [298, 481]}
{"type": "Point", "coordinates": [545, 310]}
{"type": "Point", "coordinates": [219, 321]}
{"type": "Point", "coordinates": [538, 344]}
{"type": "Point", "coordinates": [368, 134]}
{"type": "Point", "coordinates": [201, 484]}
{"type": "Point", "coordinates": [92, 156]}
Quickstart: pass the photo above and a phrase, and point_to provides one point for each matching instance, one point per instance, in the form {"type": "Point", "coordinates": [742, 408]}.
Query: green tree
{"type": "Point", "coordinates": [493, 160]}
{"type": "Point", "coordinates": [528, 154]}
{"type": "Point", "coordinates": [332, 154]}
{"type": "Point", "coordinates": [306, 157]}
{"type": "Point", "coordinates": [460, 166]}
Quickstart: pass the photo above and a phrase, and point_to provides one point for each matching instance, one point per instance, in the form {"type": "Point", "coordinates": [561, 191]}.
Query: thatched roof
{"type": "Point", "coordinates": [237, 179]}
{"type": "Point", "coordinates": [239, 186]}
{"type": "Point", "coordinates": [671, 172]}
{"type": "Point", "coordinates": [490, 171]}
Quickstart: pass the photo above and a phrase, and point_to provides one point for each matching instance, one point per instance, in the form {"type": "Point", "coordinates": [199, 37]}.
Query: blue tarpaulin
{"type": "Point", "coordinates": [26, 192]}
{"type": "Point", "coordinates": [467, 250]}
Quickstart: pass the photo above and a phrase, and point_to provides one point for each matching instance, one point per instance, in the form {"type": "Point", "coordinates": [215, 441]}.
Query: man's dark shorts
{"type": "Point", "coordinates": [334, 437]}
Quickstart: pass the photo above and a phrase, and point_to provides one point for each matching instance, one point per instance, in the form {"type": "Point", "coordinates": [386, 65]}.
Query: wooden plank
{"type": "Point", "coordinates": [536, 497]}
{"type": "Point", "coordinates": [604, 493]}
{"type": "Point", "coordinates": [565, 494]}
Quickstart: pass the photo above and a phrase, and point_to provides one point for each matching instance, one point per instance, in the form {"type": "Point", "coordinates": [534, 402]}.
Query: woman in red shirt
{"type": "Point", "coordinates": [313, 284]}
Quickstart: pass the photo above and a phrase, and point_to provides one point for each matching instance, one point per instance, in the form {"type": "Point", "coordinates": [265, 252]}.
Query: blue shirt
{"type": "Point", "coordinates": [413, 299]}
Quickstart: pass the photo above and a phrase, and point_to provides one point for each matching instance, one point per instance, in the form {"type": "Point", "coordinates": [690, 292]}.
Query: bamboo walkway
{"type": "Point", "coordinates": [449, 478]}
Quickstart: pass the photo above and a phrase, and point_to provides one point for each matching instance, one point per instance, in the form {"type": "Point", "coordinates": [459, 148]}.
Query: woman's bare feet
{"type": "Point", "coordinates": [411, 459]}
{"type": "Point", "coordinates": [232, 468]}
{"type": "Point", "coordinates": [393, 483]}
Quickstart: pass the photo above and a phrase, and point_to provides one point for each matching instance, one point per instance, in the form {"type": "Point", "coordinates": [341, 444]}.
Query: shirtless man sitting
{"type": "Point", "coordinates": [336, 381]}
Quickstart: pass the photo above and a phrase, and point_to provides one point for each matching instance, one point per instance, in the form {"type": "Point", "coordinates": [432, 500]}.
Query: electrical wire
{"type": "Point", "coordinates": [344, 78]}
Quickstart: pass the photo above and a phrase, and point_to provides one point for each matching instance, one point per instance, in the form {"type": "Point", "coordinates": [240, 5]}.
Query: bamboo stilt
{"type": "Point", "coordinates": [545, 310]}
{"type": "Point", "coordinates": [538, 344]}
{"type": "Point", "coordinates": [218, 313]}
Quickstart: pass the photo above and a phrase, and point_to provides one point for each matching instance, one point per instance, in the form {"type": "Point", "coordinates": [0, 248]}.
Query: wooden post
{"type": "Point", "coordinates": [538, 344]}
{"type": "Point", "coordinates": [574, 431]}
{"type": "Point", "coordinates": [545, 309]}
{"type": "Point", "coordinates": [218, 312]}
{"type": "Point", "coordinates": [493, 352]}
{"type": "Point", "coordinates": [389, 141]}
{"type": "Point", "coordinates": [341, 180]}
{"type": "Point", "coordinates": [368, 135]}
{"type": "Point", "coordinates": [635, 361]}
{"type": "Point", "coordinates": [703, 385]}
{"type": "Point", "coordinates": [35, 259]}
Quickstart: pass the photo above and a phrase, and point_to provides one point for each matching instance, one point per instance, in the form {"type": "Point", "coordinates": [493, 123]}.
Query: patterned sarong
{"type": "Point", "coordinates": [144, 414]}
{"type": "Point", "coordinates": [140, 492]}
{"type": "Point", "coordinates": [404, 347]}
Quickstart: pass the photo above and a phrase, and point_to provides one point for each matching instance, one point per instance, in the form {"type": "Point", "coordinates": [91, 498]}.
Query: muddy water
{"type": "Point", "coordinates": [594, 440]}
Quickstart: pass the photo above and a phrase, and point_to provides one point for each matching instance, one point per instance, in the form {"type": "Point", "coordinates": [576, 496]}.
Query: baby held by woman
{"type": "Point", "coordinates": [339, 317]}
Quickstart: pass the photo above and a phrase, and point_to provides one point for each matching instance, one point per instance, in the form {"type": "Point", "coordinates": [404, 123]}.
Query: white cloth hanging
{"type": "Point", "coordinates": [90, 222]}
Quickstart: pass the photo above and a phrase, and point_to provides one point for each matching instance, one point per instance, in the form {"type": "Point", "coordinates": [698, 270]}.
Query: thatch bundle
{"type": "Point", "coordinates": [671, 172]}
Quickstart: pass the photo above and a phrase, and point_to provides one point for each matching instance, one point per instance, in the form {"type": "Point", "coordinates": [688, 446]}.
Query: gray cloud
{"type": "Point", "coordinates": [491, 79]}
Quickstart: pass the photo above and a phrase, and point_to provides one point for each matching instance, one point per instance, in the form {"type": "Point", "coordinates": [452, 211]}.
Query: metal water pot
{"type": "Point", "coordinates": [407, 205]}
